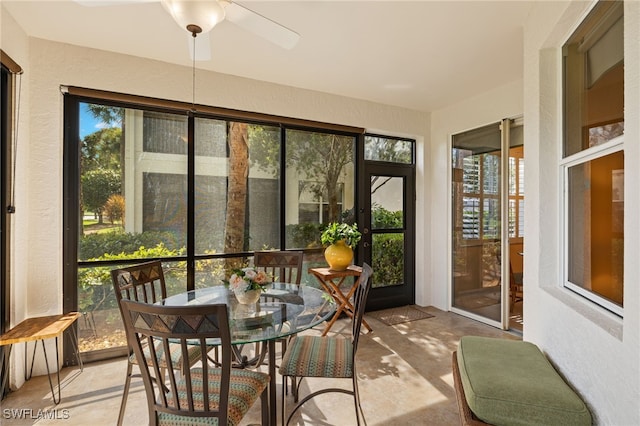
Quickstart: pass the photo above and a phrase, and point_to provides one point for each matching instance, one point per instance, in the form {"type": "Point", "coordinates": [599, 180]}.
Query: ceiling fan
{"type": "Point", "coordinates": [198, 17]}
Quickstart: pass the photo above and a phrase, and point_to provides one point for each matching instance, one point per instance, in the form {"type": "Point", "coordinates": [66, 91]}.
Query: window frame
{"type": "Point", "coordinates": [579, 158]}
{"type": "Point", "coordinates": [74, 97]}
{"type": "Point", "coordinates": [597, 22]}
{"type": "Point", "coordinates": [10, 94]}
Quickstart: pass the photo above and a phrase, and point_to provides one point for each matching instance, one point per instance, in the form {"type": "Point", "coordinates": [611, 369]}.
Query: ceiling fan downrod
{"type": "Point", "coordinates": [194, 29]}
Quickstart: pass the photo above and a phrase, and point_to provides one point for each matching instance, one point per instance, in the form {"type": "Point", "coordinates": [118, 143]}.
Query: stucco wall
{"type": "Point", "coordinates": [37, 269]}
{"type": "Point", "coordinates": [598, 353]}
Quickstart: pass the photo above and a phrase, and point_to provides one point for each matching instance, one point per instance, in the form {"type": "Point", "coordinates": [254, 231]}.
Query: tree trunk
{"type": "Point", "coordinates": [236, 192]}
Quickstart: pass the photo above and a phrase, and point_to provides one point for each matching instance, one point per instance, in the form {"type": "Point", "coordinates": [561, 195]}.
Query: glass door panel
{"type": "Point", "coordinates": [389, 234]}
{"type": "Point", "coordinates": [387, 215]}
{"type": "Point", "coordinates": [477, 223]}
{"type": "Point", "coordinates": [487, 257]}
{"type": "Point", "coordinates": [387, 228]}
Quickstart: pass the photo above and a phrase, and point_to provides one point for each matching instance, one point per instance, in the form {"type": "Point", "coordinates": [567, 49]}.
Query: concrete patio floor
{"type": "Point", "coordinates": [404, 376]}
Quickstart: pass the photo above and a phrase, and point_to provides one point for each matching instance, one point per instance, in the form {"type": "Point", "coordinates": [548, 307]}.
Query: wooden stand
{"type": "Point", "coordinates": [331, 281]}
{"type": "Point", "coordinates": [41, 328]}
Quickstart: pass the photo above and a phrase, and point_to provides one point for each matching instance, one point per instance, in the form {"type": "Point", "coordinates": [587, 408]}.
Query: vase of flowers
{"type": "Point", "coordinates": [339, 239]}
{"type": "Point", "coordinates": [247, 284]}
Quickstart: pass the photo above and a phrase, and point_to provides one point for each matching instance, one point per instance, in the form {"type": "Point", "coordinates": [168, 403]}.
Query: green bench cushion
{"type": "Point", "coordinates": [510, 382]}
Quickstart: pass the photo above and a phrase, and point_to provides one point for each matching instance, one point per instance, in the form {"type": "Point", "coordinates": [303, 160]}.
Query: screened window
{"type": "Point", "coordinates": [201, 193]}
{"type": "Point", "coordinates": [314, 202]}
{"type": "Point", "coordinates": [593, 157]}
{"type": "Point", "coordinates": [320, 170]}
{"type": "Point", "coordinates": [393, 150]}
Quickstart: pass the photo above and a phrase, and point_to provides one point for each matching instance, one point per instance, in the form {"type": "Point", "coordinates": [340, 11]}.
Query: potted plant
{"type": "Point", "coordinates": [339, 239]}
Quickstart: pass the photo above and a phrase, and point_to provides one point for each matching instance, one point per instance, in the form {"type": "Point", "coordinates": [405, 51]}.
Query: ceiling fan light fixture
{"type": "Point", "coordinates": [203, 14]}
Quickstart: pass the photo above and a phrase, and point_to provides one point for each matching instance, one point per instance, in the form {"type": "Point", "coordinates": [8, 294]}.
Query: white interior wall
{"type": "Point", "coordinates": [38, 290]}
{"type": "Point", "coordinates": [597, 352]}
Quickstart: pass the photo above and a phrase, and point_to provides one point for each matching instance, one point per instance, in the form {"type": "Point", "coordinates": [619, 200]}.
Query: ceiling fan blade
{"type": "Point", "coordinates": [96, 3]}
{"type": "Point", "coordinates": [261, 26]}
{"type": "Point", "coordinates": [202, 47]}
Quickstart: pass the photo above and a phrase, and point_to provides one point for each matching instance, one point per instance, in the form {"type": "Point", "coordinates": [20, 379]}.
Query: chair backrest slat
{"type": "Point", "coordinates": [283, 266]}
{"type": "Point", "coordinates": [143, 282]}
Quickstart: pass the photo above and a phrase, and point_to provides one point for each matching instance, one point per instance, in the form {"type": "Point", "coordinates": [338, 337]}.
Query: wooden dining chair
{"type": "Point", "coordinates": [204, 394]}
{"type": "Point", "coordinates": [145, 283]}
{"type": "Point", "coordinates": [515, 286]}
{"type": "Point", "coordinates": [282, 266]}
{"type": "Point", "coordinates": [327, 356]}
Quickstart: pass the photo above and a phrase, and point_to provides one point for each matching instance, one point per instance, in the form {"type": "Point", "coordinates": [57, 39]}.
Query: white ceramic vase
{"type": "Point", "coordinates": [247, 297]}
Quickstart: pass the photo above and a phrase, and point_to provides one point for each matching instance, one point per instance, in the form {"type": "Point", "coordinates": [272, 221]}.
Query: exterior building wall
{"type": "Point", "coordinates": [594, 350]}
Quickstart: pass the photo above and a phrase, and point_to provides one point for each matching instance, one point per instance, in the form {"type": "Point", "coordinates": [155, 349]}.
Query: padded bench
{"type": "Point", "coordinates": [511, 382]}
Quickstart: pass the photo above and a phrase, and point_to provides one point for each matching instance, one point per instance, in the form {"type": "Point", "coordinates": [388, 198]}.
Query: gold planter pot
{"type": "Point", "coordinates": [338, 255]}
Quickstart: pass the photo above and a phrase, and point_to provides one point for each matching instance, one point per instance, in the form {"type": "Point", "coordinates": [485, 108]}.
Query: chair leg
{"type": "Point", "coordinates": [283, 404]}
{"type": "Point", "coordinates": [313, 395]}
{"type": "Point", "coordinates": [295, 387]}
{"type": "Point", "coordinates": [264, 406]}
{"type": "Point", "coordinates": [283, 349]}
{"type": "Point", "coordinates": [125, 393]}
{"type": "Point", "coordinates": [356, 400]}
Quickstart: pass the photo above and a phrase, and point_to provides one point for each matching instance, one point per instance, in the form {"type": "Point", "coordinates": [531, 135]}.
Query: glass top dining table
{"type": "Point", "coordinates": [282, 310]}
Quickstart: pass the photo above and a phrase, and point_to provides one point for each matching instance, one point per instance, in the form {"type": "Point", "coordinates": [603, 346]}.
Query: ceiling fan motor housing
{"type": "Point", "coordinates": [198, 16]}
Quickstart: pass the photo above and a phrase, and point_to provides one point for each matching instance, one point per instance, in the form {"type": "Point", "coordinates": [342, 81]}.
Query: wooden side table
{"type": "Point", "coordinates": [331, 281]}
{"type": "Point", "coordinates": [41, 328]}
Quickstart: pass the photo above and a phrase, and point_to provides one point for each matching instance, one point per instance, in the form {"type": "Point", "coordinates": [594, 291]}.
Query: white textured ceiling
{"type": "Point", "coordinates": [421, 55]}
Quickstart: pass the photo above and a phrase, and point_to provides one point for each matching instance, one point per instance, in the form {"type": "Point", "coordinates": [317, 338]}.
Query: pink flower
{"type": "Point", "coordinates": [237, 282]}
{"type": "Point", "coordinates": [250, 273]}
{"type": "Point", "coordinates": [248, 279]}
{"type": "Point", "coordinates": [262, 278]}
